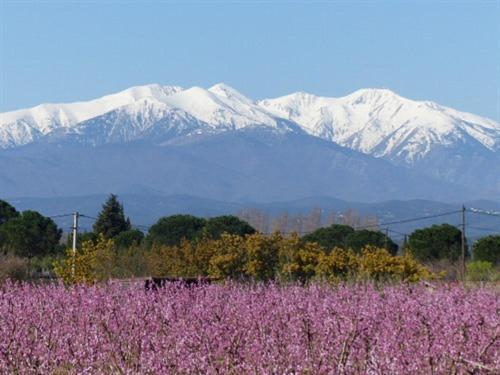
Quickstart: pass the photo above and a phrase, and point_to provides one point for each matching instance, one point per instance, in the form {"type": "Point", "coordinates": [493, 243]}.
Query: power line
{"type": "Point", "coordinates": [88, 217]}
{"type": "Point", "coordinates": [410, 220]}
{"type": "Point", "coordinates": [60, 215]}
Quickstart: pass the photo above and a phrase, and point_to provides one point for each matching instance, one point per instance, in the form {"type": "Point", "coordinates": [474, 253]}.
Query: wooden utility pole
{"type": "Point", "coordinates": [463, 243]}
{"type": "Point", "coordinates": [75, 233]}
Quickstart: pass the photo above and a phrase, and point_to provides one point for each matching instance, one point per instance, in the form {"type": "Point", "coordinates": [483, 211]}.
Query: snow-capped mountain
{"type": "Point", "coordinates": [373, 139]}
{"type": "Point", "coordinates": [28, 125]}
{"type": "Point", "coordinates": [381, 123]}
{"type": "Point", "coordinates": [137, 113]}
{"type": "Point", "coordinates": [374, 121]}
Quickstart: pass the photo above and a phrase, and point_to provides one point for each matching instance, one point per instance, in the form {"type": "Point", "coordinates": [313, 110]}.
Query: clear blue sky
{"type": "Point", "coordinates": [59, 51]}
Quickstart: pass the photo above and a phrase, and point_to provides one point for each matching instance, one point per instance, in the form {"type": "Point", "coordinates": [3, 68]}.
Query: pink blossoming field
{"type": "Point", "coordinates": [242, 329]}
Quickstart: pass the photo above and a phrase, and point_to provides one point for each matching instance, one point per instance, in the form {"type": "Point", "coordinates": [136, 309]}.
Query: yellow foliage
{"type": "Point", "coordinates": [379, 264]}
{"type": "Point", "coordinates": [338, 264]}
{"type": "Point", "coordinates": [255, 256]}
{"type": "Point", "coordinates": [94, 262]}
{"type": "Point", "coordinates": [228, 259]}
{"type": "Point", "coordinates": [298, 261]}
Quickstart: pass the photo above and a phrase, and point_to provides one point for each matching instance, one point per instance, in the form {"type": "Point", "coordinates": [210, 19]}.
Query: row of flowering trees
{"type": "Point", "coordinates": [249, 329]}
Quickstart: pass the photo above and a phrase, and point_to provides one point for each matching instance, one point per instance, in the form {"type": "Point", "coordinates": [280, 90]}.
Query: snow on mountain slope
{"type": "Point", "coordinates": [223, 108]}
{"type": "Point", "coordinates": [384, 124]}
{"type": "Point", "coordinates": [146, 118]}
{"type": "Point", "coordinates": [137, 113]}
{"type": "Point", "coordinates": [27, 125]}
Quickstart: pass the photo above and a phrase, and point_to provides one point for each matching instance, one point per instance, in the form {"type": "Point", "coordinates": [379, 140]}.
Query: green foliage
{"type": "Point", "coordinates": [330, 237]}
{"type": "Point", "coordinates": [111, 220]}
{"type": "Point", "coordinates": [215, 226]}
{"type": "Point", "coordinates": [84, 237]}
{"type": "Point", "coordinates": [436, 242]}
{"type": "Point", "coordinates": [7, 212]}
{"type": "Point", "coordinates": [129, 238]}
{"type": "Point", "coordinates": [487, 249]}
{"type": "Point", "coordinates": [360, 239]}
{"type": "Point", "coordinates": [30, 234]}
{"type": "Point", "coordinates": [480, 270]}
{"type": "Point", "coordinates": [172, 230]}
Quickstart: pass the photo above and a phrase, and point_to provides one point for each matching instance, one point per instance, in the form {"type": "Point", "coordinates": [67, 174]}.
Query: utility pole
{"type": "Point", "coordinates": [75, 233]}
{"type": "Point", "coordinates": [463, 243]}
{"type": "Point", "coordinates": [387, 238]}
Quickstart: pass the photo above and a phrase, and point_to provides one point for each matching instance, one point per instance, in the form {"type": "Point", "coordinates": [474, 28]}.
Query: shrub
{"type": "Point", "coordinates": [480, 270]}
{"type": "Point", "coordinates": [487, 249]}
{"type": "Point", "coordinates": [339, 264]}
{"type": "Point", "coordinates": [94, 262]}
{"type": "Point", "coordinates": [13, 268]}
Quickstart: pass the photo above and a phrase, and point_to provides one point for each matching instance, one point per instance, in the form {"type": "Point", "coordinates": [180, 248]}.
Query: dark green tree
{"type": "Point", "coordinates": [111, 220]}
{"type": "Point", "coordinates": [330, 237]}
{"type": "Point", "coordinates": [361, 238]}
{"type": "Point", "coordinates": [171, 230]}
{"type": "Point", "coordinates": [436, 242]}
{"type": "Point", "coordinates": [215, 226]}
{"type": "Point", "coordinates": [7, 212]}
{"type": "Point", "coordinates": [487, 249]}
{"type": "Point", "coordinates": [30, 234]}
{"type": "Point", "coordinates": [127, 239]}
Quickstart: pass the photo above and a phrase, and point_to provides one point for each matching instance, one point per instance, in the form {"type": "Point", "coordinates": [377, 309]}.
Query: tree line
{"type": "Point", "coordinates": [30, 235]}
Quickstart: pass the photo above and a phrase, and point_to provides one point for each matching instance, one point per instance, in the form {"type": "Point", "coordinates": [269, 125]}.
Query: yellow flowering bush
{"type": "Point", "coordinates": [93, 262]}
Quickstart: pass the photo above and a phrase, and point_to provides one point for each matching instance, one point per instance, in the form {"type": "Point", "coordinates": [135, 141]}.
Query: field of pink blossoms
{"type": "Point", "coordinates": [235, 329]}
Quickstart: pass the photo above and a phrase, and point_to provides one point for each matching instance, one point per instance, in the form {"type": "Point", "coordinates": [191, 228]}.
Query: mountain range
{"type": "Point", "coordinates": [216, 143]}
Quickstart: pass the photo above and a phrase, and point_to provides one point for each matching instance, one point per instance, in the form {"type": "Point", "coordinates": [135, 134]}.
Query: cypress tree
{"type": "Point", "coordinates": [111, 220]}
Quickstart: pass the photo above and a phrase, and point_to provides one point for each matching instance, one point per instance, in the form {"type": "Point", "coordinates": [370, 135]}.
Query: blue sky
{"type": "Point", "coordinates": [59, 51]}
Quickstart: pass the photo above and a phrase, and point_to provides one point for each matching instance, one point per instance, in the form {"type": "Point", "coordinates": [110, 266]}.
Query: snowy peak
{"type": "Point", "coordinates": [225, 91]}
{"type": "Point", "coordinates": [378, 122]}
{"type": "Point", "coordinates": [384, 124]}
{"type": "Point", "coordinates": [27, 125]}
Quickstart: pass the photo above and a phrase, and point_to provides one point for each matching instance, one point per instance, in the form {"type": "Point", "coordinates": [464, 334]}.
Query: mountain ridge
{"type": "Point", "coordinates": [397, 147]}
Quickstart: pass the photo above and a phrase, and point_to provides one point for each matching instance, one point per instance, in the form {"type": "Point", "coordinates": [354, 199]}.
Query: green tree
{"type": "Point", "coordinates": [30, 234]}
{"type": "Point", "coordinates": [215, 226]}
{"type": "Point", "coordinates": [7, 212]}
{"type": "Point", "coordinates": [487, 249]}
{"type": "Point", "coordinates": [359, 239]}
{"type": "Point", "coordinates": [436, 242]}
{"type": "Point", "coordinates": [128, 238]}
{"type": "Point", "coordinates": [111, 220]}
{"type": "Point", "coordinates": [330, 237]}
{"type": "Point", "coordinates": [171, 230]}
